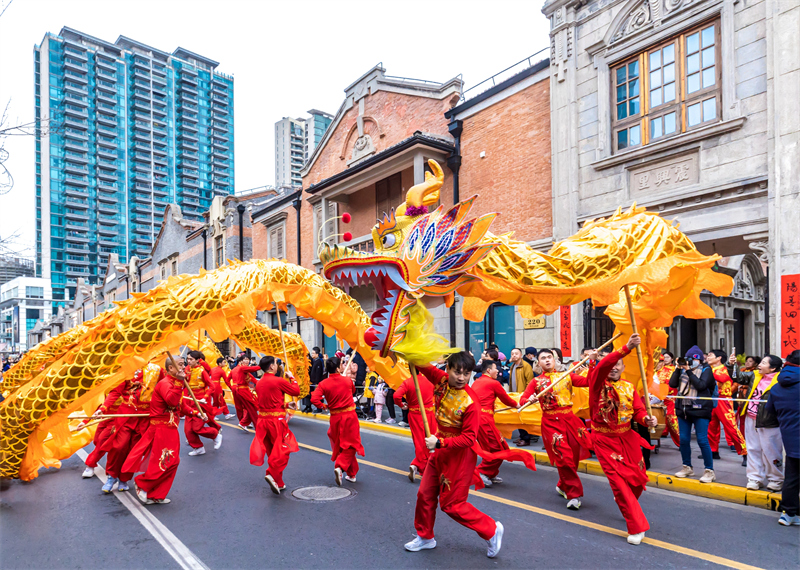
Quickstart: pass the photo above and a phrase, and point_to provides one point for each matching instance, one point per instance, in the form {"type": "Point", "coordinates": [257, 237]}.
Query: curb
{"type": "Point", "coordinates": [718, 491]}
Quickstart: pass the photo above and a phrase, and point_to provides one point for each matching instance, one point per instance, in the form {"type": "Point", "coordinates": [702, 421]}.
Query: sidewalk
{"type": "Point", "coordinates": [731, 476]}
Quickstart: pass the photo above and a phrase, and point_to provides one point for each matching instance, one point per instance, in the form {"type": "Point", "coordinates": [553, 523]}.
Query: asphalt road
{"type": "Point", "coordinates": [223, 515]}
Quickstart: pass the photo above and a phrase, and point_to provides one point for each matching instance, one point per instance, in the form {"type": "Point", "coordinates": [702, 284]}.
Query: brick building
{"type": "Point", "coordinates": [493, 143]}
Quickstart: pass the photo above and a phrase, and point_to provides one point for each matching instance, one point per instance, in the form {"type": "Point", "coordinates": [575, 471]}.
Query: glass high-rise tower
{"type": "Point", "coordinates": [131, 129]}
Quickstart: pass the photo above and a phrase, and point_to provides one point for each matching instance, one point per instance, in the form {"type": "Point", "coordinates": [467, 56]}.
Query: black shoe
{"type": "Point", "coordinates": [732, 448]}
{"type": "Point", "coordinates": [744, 461]}
{"type": "Point", "coordinates": [715, 455]}
{"type": "Point", "coordinates": [535, 439]}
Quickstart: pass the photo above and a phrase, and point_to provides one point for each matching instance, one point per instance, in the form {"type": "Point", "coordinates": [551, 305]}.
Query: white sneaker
{"type": "Point", "coordinates": [88, 473]}
{"type": "Point", "coordinates": [574, 504]}
{"type": "Point", "coordinates": [496, 541]}
{"type": "Point", "coordinates": [635, 538]}
{"type": "Point", "coordinates": [198, 451]}
{"type": "Point", "coordinates": [496, 480]}
{"type": "Point", "coordinates": [123, 486]}
{"type": "Point", "coordinates": [351, 479]}
{"type": "Point", "coordinates": [272, 484]}
{"type": "Point", "coordinates": [229, 416]}
{"type": "Point", "coordinates": [560, 492]}
{"type": "Point", "coordinates": [164, 501]}
{"type": "Point", "coordinates": [708, 476]}
{"type": "Point", "coordinates": [412, 473]}
{"type": "Point", "coordinates": [774, 486]}
{"type": "Point", "coordinates": [486, 481]}
{"type": "Point", "coordinates": [753, 485]}
{"type": "Point", "coordinates": [218, 441]}
{"type": "Point", "coordinates": [141, 494]}
{"type": "Point", "coordinates": [420, 544]}
{"type": "Point", "coordinates": [686, 471]}
{"type": "Point", "coordinates": [337, 474]}
{"type": "Point", "coordinates": [391, 421]}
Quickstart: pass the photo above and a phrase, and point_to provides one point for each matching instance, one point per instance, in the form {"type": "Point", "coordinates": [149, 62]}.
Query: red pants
{"type": "Point", "coordinates": [218, 400]}
{"type": "Point", "coordinates": [274, 439]}
{"type": "Point", "coordinates": [194, 427]}
{"type": "Point", "coordinates": [421, 453]}
{"type": "Point", "coordinates": [248, 406]}
{"type": "Point", "coordinates": [566, 444]}
{"type": "Point", "coordinates": [345, 435]}
{"type": "Point", "coordinates": [672, 422]}
{"type": "Point", "coordinates": [158, 452]}
{"type": "Point", "coordinates": [490, 439]}
{"type": "Point", "coordinates": [620, 456]}
{"type": "Point", "coordinates": [127, 434]}
{"type": "Point", "coordinates": [723, 415]}
{"type": "Point", "coordinates": [448, 477]}
{"type": "Point", "coordinates": [101, 434]}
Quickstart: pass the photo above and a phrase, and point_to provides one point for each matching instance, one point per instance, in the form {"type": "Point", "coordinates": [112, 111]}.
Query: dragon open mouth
{"type": "Point", "coordinates": [386, 277]}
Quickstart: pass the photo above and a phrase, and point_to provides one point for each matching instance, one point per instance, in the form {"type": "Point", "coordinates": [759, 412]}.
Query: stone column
{"type": "Point", "coordinates": [783, 93]}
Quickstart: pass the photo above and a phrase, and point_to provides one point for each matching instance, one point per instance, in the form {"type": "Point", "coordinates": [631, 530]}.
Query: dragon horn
{"type": "Point", "coordinates": [427, 193]}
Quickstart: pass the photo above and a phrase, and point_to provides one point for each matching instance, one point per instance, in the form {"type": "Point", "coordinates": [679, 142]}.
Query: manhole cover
{"type": "Point", "coordinates": [321, 493]}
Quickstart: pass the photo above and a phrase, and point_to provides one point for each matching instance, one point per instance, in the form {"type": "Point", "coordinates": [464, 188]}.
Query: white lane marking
{"type": "Point", "coordinates": [187, 559]}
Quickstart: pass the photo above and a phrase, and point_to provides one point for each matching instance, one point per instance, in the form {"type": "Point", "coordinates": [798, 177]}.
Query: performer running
{"type": "Point", "coordinates": [244, 397]}
{"type": "Point", "coordinates": [218, 374]}
{"type": "Point", "coordinates": [664, 374]}
{"type": "Point", "coordinates": [101, 434]}
{"type": "Point", "coordinates": [158, 451]}
{"type": "Point", "coordinates": [613, 403]}
{"type": "Point", "coordinates": [409, 392]}
{"type": "Point", "coordinates": [197, 370]}
{"type": "Point", "coordinates": [344, 431]}
{"type": "Point", "coordinates": [723, 413]}
{"type": "Point", "coordinates": [488, 389]}
{"type": "Point", "coordinates": [125, 432]}
{"type": "Point", "coordinates": [273, 436]}
{"type": "Point", "coordinates": [451, 467]}
{"type": "Point", "coordinates": [564, 435]}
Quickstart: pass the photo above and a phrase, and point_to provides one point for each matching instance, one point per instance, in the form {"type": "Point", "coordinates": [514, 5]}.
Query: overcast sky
{"type": "Point", "coordinates": [286, 57]}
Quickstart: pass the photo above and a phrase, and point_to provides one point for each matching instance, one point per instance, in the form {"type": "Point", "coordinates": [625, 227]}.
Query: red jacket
{"type": "Point", "coordinates": [270, 390]}
{"type": "Point", "coordinates": [168, 403]}
{"type": "Point", "coordinates": [470, 415]}
{"type": "Point", "coordinates": [488, 390]}
{"type": "Point", "coordinates": [241, 375]}
{"type": "Point", "coordinates": [338, 391]}
{"type": "Point", "coordinates": [613, 404]}
{"type": "Point", "coordinates": [408, 391]}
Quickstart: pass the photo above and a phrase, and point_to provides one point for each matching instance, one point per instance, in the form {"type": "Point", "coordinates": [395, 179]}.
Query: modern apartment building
{"type": "Point", "coordinates": [290, 135]}
{"type": "Point", "coordinates": [23, 301]}
{"type": "Point", "coordinates": [132, 129]}
{"type": "Point", "coordinates": [11, 267]}
{"type": "Point", "coordinates": [316, 125]}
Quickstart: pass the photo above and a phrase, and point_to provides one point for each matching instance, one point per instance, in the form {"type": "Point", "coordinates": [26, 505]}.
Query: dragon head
{"type": "Point", "coordinates": [417, 253]}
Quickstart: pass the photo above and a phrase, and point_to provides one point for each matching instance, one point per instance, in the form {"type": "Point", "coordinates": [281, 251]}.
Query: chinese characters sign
{"type": "Point", "coordinates": [565, 318]}
{"type": "Point", "coordinates": [668, 175]}
{"type": "Point", "coordinates": [790, 314]}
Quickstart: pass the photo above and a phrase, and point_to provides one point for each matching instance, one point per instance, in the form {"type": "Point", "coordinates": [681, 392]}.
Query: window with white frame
{"type": "Point", "coordinates": [668, 89]}
{"type": "Point", "coordinates": [276, 240]}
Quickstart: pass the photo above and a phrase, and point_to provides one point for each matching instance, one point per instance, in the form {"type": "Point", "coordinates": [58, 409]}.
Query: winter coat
{"type": "Point", "coordinates": [704, 385]}
{"type": "Point", "coordinates": [764, 418]}
{"type": "Point", "coordinates": [784, 402]}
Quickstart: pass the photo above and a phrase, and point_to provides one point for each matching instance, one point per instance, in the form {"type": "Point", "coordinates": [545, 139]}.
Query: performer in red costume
{"type": "Point", "coordinates": [451, 467]}
{"type": "Point", "coordinates": [218, 374]}
{"type": "Point", "coordinates": [409, 392]}
{"type": "Point", "coordinates": [664, 374]}
{"type": "Point", "coordinates": [564, 435]}
{"type": "Point", "coordinates": [723, 414]}
{"type": "Point", "coordinates": [273, 436]}
{"type": "Point", "coordinates": [158, 451]}
{"type": "Point", "coordinates": [104, 430]}
{"type": "Point", "coordinates": [125, 431]}
{"type": "Point", "coordinates": [613, 403]}
{"type": "Point", "coordinates": [197, 371]}
{"type": "Point", "coordinates": [244, 397]}
{"type": "Point", "coordinates": [344, 429]}
{"type": "Point", "coordinates": [488, 389]}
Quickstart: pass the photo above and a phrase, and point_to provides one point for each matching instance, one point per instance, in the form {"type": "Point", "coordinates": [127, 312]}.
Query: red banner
{"type": "Point", "coordinates": [565, 315]}
{"type": "Point", "coordinates": [790, 314]}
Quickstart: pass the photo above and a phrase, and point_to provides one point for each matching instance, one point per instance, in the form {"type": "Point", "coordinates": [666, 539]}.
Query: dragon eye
{"type": "Point", "coordinates": [388, 240]}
